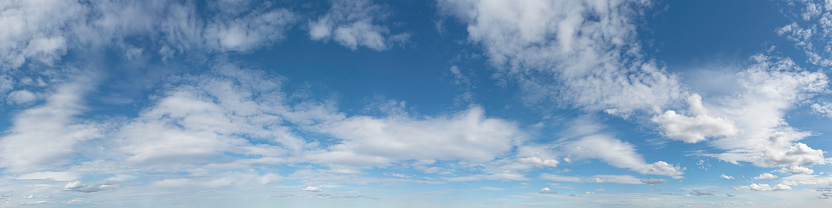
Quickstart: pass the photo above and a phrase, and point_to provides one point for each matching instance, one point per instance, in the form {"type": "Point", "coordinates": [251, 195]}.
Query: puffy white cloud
{"type": "Point", "coordinates": [588, 47]}
{"type": "Point", "coordinates": [764, 187]}
{"type": "Point", "coordinates": [353, 24]}
{"type": "Point", "coordinates": [765, 176]}
{"type": "Point", "coordinates": [726, 177]}
{"type": "Point", "coordinates": [539, 162]}
{"type": "Point", "coordinates": [77, 186]}
{"type": "Point", "coordinates": [312, 189]}
{"type": "Point", "coordinates": [44, 136]}
{"type": "Point", "coordinates": [618, 154]}
{"type": "Point", "coordinates": [468, 136]}
{"type": "Point", "coordinates": [694, 129]}
{"type": "Point", "coordinates": [796, 170]}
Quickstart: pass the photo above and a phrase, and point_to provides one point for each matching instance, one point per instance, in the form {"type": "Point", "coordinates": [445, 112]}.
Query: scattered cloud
{"type": "Point", "coordinates": [620, 179]}
{"type": "Point", "coordinates": [353, 24]}
{"type": "Point", "coordinates": [765, 176]}
{"type": "Point", "coordinates": [795, 170]}
{"type": "Point", "coordinates": [726, 177]}
{"type": "Point", "coordinates": [764, 187]}
{"type": "Point", "coordinates": [312, 189]}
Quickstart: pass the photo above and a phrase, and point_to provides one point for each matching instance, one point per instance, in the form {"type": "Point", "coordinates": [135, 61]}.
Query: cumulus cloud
{"type": "Point", "coordinates": [694, 129]}
{"type": "Point", "coordinates": [765, 176]}
{"type": "Point", "coordinates": [353, 24]}
{"type": "Point", "coordinates": [726, 177]}
{"type": "Point", "coordinates": [769, 87]}
{"type": "Point", "coordinates": [618, 154]}
{"type": "Point", "coordinates": [588, 47]}
{"type": "Point", "coordinates": [796, 170]}
{"type": "Point", "coordinates": [539, 162]}
{"type": "Point", "coordinates": [77, 186]}
{"type": "Point", "coordinates": [312, 189]}
{"type": "Point", "coordinates": [44, 136]}
{"type": "Point", "coordinates": [467, 135]}
{"type": "Point", "coordinates": [764, 187]}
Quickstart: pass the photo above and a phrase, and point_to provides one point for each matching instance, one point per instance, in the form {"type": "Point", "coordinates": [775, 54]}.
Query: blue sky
{"type": "Point", "coordinates": [446, 103]}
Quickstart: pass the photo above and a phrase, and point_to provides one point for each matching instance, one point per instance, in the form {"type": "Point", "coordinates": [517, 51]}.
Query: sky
{"type": "Point", "coordinates": [441, 103]}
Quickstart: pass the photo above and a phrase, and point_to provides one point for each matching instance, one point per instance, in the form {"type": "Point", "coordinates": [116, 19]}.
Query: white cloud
{"type": "Point", "coordinates": [726, 177]}
{"type": "Point", "coordinates": [796, 170]}
{"type": "Point", "coordinates": [823, 108]}
{"type": "Point", "coordinates": [539, 162]}
{"type": "Point", "coordinates": [45, 30]}
{"type": "Point", "coordinates": [77, 186]}
{"type": "Point", "coordinates": [44, 136]}
{"type": "Point", "coordinates": [353, 24]}
{"type": "Point", "coordinates": [694, 129]}
{"type": "Point", "coordinates": [547, 190]}
{"type": "Point", "coordinates": [620, 179]}
{"type": "Point", "coordinates": [804, 179]}
{"type": "Point", "coordinates": [618, 154]}
{"type": "Point", "coordinates": [20, 97]}
{"type": "Point", "coordinates": [590, 48]}
{"type": "Point", "coordinates": [369, 141]}
{"type": "Point", "coordinates": [312, 189]}
{"type": "Point", "coordinates": [764, 187]}
{"type": "Point", "coordinates": [212, 115]}
{"type": "Point", "coordinates": [765, 176]}
{"type": "Point", "coordinates": [249, 32]}
{"type": "Point", "coordinates": [33, 30]}
{"type": "Point", "coordinates": [769, 88]}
